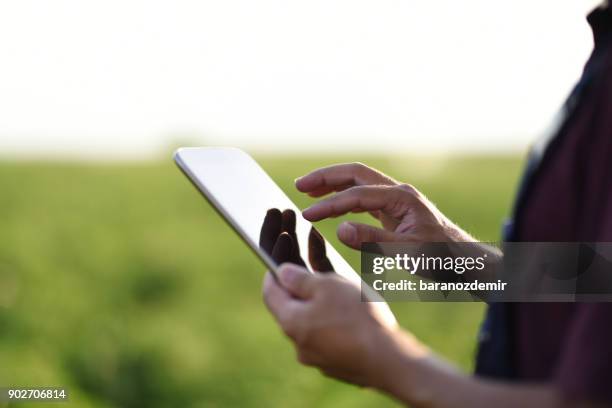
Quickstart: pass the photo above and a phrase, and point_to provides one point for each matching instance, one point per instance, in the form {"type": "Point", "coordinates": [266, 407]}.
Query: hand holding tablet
{"type": "Point", "coordinates": [250, 201]}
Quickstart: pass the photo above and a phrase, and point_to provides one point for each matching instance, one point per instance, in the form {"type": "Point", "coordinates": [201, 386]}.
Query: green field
{"type": "Point", "coordinates": [120, 283]}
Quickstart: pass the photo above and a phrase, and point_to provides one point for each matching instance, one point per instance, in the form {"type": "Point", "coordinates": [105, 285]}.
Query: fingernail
{"type": "Point", "coordinates": [347, 232]}
{"type": "Point", "coordinates": [288, 275]}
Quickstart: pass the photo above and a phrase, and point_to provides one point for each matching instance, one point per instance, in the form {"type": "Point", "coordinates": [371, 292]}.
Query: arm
{"type": "Point", "coordinates": [333, 330]}
{"type": "Point", "coordinates": [430, 382]}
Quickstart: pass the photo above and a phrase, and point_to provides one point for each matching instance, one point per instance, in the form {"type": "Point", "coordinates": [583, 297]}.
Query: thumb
{"type": "Point", "coordinates": [297, 280]}
{"type": "Point", "coordinates": [353, 234]}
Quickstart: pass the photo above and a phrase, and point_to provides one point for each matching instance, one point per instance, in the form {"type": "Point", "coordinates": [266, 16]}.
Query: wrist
{"type": "Point", "coordinates": [393, 357]}
{"type": "Point", "coordinates": [454, 233]}
{"type": "Point", "coordinates": [411, 373]}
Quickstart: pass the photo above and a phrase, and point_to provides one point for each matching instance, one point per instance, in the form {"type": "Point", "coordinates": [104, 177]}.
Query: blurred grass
{"type": "Point", "coordinates": [120, 283]}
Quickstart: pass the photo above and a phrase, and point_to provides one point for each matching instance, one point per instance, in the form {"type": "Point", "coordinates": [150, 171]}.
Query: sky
{"type": "Point", "coordinates": [130, 79]}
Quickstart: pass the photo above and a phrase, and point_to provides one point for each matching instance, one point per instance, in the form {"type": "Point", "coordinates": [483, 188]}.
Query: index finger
{"type": "Point", "coordinates": [361, 198]}
{"type": "Point", "coordinates": [339, 177]}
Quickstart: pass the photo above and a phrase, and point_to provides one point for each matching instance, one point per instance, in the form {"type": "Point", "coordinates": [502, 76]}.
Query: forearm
{"type": "Point", "coordinates": [418, 378]}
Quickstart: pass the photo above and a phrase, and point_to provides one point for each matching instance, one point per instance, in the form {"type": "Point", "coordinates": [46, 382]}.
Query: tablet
{"type": "Point", "coordinates": [242, 192]}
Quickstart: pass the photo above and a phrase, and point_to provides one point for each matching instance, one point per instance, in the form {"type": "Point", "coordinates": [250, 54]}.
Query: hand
{"type": "Point", "coordinates": [405, 214]}
{"type": "Point", "coordinates": [331, 326]}
{"type": "Point", "coordinates": [346, 338]}
{"type": "Point", "coordinates": [351, 339]}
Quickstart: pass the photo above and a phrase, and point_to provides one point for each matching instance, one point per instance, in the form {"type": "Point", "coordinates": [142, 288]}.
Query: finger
{"type": "Point", "coordinates": [317, 254]}
{"type": "Point", "coordinates": [339, 177]}
{"type": "Point", "coordinates": [362, 198]}
{"type": "Point", "coordinates": [278, 300]}
{"type": "Point", "coordinates": [297, 281]}
{"type": "Point", "coordinates": [270, 230]}
{"type": "Point", "coordinates": [324, 190]}
{"type": "Point", "coordinates": [353, 234]}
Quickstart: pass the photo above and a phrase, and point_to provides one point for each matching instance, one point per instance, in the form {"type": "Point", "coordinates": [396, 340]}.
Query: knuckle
{"type": "Point", "coordinates": [409, 188]}
{"type": "Point", "coordinates": [358, 167]}
{"type": "Point", "coordinates": [357, 191]}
